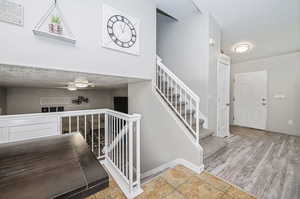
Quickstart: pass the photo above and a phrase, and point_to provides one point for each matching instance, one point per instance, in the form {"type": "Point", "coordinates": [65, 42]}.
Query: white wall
{"type": "Point", "coordinates": [183, 47]}
{"type": "Point", "coordinates": [2, 101]}
{"type": "Point", "coordinates": [20, 47]}
{"type": "Point", "coordinates": [214, 53]}
{"type": "Point", "coordinates": [283, 78]}
{"type": "Point", "coordinates": [27, 100]}
{"type": "Point", "coordinates": [163, 137]}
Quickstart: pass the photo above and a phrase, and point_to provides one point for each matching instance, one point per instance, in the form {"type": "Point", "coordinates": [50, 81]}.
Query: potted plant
{"type": "Point", "coordinates": [55, 25]}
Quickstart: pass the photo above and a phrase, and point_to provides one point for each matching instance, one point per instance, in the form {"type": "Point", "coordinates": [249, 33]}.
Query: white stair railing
{"type": "Point", "coordinates": [184, 102]}
{"type": "Point", "coordinates": [114, 137]}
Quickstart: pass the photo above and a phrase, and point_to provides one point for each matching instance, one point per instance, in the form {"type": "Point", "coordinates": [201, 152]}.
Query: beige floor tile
{"type": "Point", "coordinates": [236, 193]}
{"type": "Point", "coordinates": [156, 189]}
{"type": "Point", "coordinates": [198, 190]}
{"type": "Point", "coordinates": [214, 181]}
{"type": "Point", "coordinates": [91, 197]}
{"type": "Point", "coordinates": [112, 182]}
{"type": "Point", "coordinates": [177, 176]}
{"type": "Point", "coordinates": [175, 195]}
{"type": "Point", "coordinates": [225, 196]}
{"type": "Point", "coordinates": [106, 193]}
{"type": "Point", "coordinates": [185, 170]}
{"type": "Point", "coordinates": [118, 194]}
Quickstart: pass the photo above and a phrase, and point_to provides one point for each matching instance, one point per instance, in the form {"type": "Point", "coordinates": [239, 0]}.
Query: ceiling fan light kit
{"type": "Point", "coordinates": [79, 83]}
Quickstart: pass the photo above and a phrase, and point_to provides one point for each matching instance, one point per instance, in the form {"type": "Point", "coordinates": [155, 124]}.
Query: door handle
{"type": "Point", "coordinates": [228, 104]}
{"type": "Point", "coordinates": [264, 104]}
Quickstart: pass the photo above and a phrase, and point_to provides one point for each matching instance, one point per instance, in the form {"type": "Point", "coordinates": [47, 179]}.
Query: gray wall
{"type": "Point", "coordinates": [3, 101]}
{"type": "Point", "coordinates": [162, 138]}
{"type": "Point", "coordinates": [20, 47]}
{"type": "Point", "coordinates": [183, 47]}
{"type": "Point", "coordinates": [283, 78]}
{"type": "Point", "coordinates": [27, 100]}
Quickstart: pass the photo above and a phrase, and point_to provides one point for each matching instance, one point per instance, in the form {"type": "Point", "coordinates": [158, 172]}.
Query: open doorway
{"type": "Point", "coordinates": [47, 91]}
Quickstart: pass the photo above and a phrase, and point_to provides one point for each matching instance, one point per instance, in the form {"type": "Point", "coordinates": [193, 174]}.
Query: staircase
{"type": "Point", "coordinates": [185, 104]}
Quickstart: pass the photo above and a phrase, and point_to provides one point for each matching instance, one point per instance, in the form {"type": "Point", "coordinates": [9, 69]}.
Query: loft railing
{"type": "Point", "coordinates": [114, 138]}
{"type": "Point", "coordinates": [184, 102]}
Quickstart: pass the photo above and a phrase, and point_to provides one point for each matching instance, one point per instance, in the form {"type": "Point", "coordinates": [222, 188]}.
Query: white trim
{"type": "Point", "coordinates": [120, 181]}
{"type": "Point", "coordinates": [172, 164]}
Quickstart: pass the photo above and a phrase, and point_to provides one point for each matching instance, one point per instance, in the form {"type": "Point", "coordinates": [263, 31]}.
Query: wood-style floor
{"type": "Point", "coordinates": [264, 164]}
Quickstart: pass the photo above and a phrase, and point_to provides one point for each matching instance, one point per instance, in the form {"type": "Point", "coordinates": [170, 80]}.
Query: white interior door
{"type": "Point", "coordinates": [223, 98]}
{"type": "Point", "coordinates": [250, 99]}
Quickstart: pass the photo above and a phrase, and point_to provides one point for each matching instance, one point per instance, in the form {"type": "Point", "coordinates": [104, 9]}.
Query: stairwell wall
{"type": "Point", "coordinates": [163, 140]}
{"type": "Point", "coordinates": [183, 47]}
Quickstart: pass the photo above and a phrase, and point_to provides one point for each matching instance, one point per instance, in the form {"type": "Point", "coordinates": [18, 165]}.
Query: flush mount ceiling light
{"type": "Point", "coordinates": [242, 47]}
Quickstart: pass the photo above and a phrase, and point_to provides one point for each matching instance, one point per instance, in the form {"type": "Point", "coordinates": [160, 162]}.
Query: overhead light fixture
{"type": "Point", "coordinates": [242, 47]}
{"type": "Point", "coordinates": [72, 87]}
{"type": "Point", "coordinates": [81, 83]}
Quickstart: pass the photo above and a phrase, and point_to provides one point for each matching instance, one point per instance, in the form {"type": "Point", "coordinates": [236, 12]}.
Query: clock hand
{"type": "Point", "coordinates": [120, 26]}
{"type": "Point", "coordinates": [123, 30]}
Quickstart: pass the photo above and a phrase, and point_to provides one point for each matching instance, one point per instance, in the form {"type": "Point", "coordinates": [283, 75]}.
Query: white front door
{"type": "Point", "coordinates": [223, 97]}
{"type": "Point", "coordinates": [250, 99]}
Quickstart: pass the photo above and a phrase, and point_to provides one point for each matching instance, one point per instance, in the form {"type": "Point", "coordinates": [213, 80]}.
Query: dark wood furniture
{"type": "Point", "coordinates": [54, 167]}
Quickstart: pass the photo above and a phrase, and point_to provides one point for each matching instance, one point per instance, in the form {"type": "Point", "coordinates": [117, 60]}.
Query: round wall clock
{"type": "Point", "coordinates": [121, 31]}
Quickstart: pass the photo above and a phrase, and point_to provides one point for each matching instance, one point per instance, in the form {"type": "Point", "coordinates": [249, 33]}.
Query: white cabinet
{"type": "Point", "coordinates": [24, 127]}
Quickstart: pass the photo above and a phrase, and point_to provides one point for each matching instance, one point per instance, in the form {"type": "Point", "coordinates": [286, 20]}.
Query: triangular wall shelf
{"type": "Point", "coordinates": [54, 25]}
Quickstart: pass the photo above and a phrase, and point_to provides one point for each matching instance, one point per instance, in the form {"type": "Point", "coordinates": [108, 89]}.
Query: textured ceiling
{"type": "Point", "coordinates": [273, 26]}
{"type": "Point", "coordinates": [17, 76]}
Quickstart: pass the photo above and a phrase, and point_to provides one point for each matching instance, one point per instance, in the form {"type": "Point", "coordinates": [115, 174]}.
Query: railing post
{"type": "Point", "coordinates": [130, 154]}
{"type": "Point", "coordinates": [138, 150]}
{"type": "Point", "coordinates": [105, 135]}
{"type": "Point", "coordinates": [197, 121]}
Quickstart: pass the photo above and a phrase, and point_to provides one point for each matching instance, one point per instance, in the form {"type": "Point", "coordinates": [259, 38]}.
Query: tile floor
{"type": "Point", "coordinates": [180, 183]}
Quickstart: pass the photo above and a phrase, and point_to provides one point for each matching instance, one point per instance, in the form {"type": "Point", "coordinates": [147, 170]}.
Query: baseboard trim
{"type": "Point", "coordinates": [172, 164]}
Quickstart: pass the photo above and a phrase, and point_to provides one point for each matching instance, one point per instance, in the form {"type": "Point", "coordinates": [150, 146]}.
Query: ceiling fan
{"type": "Point", "coordinates": [79, 83]}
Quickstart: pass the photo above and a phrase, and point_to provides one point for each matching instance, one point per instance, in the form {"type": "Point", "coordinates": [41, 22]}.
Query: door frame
{"type": "Point", "coordinates": [223, 59]}
{"type": "Point", "coordinates": [267, 98]}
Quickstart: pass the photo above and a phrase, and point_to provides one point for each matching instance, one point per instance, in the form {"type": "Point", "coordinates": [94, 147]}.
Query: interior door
{"type": "Point", "coordinates": [250, 99]}
{"type": "Point", "coordinates": [223, 98]}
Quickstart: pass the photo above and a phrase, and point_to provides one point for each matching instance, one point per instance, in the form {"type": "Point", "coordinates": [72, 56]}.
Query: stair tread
{"type": "Point", "coordinates": [203, 133]}
{"type": "Point", "coordinates": [211, 145]}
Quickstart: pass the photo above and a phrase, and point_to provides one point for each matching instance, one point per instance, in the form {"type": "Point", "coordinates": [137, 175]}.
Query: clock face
{"type": "Point", "coordinates": [121, 31]}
